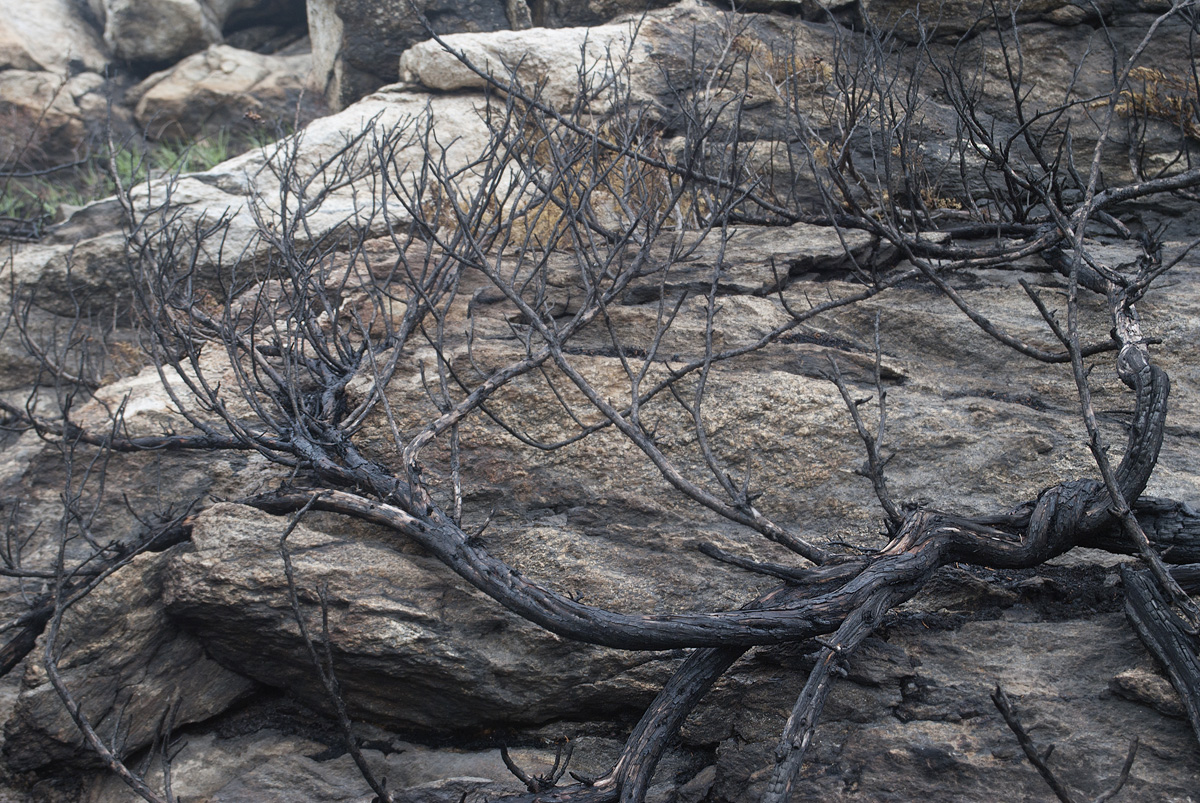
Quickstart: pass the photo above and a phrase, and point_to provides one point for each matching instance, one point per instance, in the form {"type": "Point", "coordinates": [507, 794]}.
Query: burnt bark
{"type": "Point", "coordinates": [1167, 635]}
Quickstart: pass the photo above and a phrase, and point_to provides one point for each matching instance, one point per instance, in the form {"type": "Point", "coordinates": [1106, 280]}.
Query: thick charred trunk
{"type": "Point", "coordinates": [1167, 636]}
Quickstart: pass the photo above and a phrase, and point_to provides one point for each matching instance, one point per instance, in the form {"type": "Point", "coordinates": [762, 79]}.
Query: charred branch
{"type": "Point", "coordinates": [1040, 758]}
{"type": "Point", "coordinates": [1169, 636]}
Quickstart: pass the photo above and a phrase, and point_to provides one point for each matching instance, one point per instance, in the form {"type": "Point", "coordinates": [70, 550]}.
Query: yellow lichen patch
{"type": "Point", "coordinates": [1162, 96]}
{"type": "Point", "coordinates": [933, 200]}
{"type": "Point", "coordinates": [785, 70]}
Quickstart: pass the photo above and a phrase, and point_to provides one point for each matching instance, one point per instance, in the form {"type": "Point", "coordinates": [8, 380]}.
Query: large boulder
{"type": "Point", "coordinates": [654, 61]}
{"type": "Point", "coordinates": [156, 33]}
{"type": "Point", "coordinates": [224, 88]}
{"type": "Point", "coordinates": [439, 653]}
{"type": "Point", "coordinates": [46, 117]}
{"type": "Point", "coordinates": [970, 429]}
{"type": "Point", "coordinates": [126, 664]}
{"type": "Point", "coordinates": [85, 259]}
{"type": "Point", "coordinates": [593, 519]}
{"type": "Point", "coordinates": [974, 430]}
{"type": "Point", "coordinates": [535, 57]}
{"type": "Point", "coordinates": [653, 67]}
{"type": "Point", "coordinates": [51, 35]}
{"type": "Point", "coordinates": [357, 43]}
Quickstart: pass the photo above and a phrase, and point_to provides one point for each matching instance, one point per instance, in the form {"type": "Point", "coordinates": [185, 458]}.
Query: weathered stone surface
{"type": "Point", "coordinates": [783, 63]}
{"type": "Point", "coordinates": [218, 89]}
{"type": "Point", "coordinates": [930, 732]}
{"type": "Point", "coordinates": [951, 21]}
{"type": "Point", "coordinates": [1141, 684]}
{"type": "Point", "coordinates": [46, 117]}
{"type": "Point", "coordinates": [564, 13]}
{"type": "Point", "coordinates": [652, 56]}
{"type": "Point", "coordinates": [665, 35]}
{"type": "Point", "coordinates": [276, 766]}
{"type": "Point", "coordinates": [49, 35]}
{"type": "Point", "coordinates": [158, 31]}
{"type": "Point", "coordinates": [95, 265]}
{"type": "Point", "coordinates": [971, 429]}
{"type": "Point", "coordinates": [126, 663]}
{"type": "Point", "coordinates": [536, 56]}
{"type": "Point", "coordinates": [94, 269]}
{"type": "Point", "coordinates": [439, 653]}
{"type": "Point", "coordinates": [357, 43]}
{"type": "Point", "coordinates": [325, 29]}
{"type": "Point", "coordinates": [903, 705]}
{"type": "Point", "coordinates": [1053, 53]}
{"type": "Point", "coordinates": [161, 32]}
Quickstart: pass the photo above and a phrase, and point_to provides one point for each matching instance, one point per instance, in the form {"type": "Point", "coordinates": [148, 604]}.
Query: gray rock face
{"type": "Point", "coordinates": [1052, 52]}
{"type": "Point", "coordinates": [126, 663]}
{"type": "Point", "coordinates": [536, 55]}
{"type": "Point", "coordinates": [971, 429]}
{"type": "Point", "coordinates": [161, 32]}
{"type": "Point", "coordinates": [49, 118]}
{"type": "Point", "coordinates": [274, 767]}
{"type": "Point", "coordinates": [219, 89]}
{"type": "Point", "coordinates": [423, 657]}
{"type": "Point", "coordinates": [436, 654]}
{"type": "Point", "coordinates": [86, 256]}
{"type": "Point", "coordinates": [959, 18]}
{"type": "Point", "coordinates": [357, 43]}
{"type": "Point", "coordinates": [651, 65]}
{"type": "Point", "coordinates": [925, 728]}
{"type": "Point", "coordinates": [564, 13]}
{"type": "Point", "coordinates": [785, 62]}
{"type": "Point", "coordinates": [50, 35]}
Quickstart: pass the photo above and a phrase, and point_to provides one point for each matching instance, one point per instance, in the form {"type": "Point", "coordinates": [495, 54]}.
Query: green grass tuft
{"type": "Point", "coordinates": [29, 203]}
